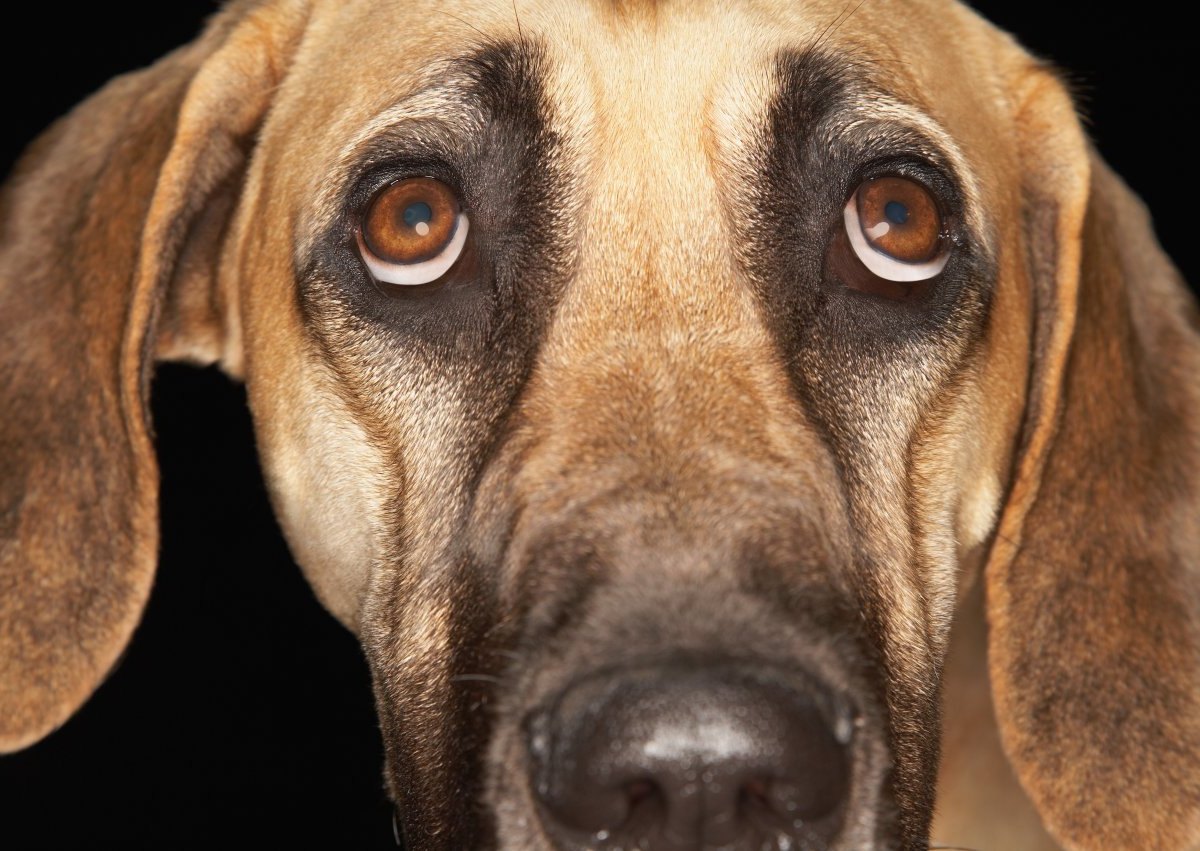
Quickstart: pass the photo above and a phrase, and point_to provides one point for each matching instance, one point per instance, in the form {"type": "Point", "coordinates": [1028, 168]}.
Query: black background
{"type": "Point", "coordinates": [242, 711]}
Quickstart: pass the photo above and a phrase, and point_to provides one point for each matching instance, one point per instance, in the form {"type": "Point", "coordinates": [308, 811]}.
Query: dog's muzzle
{"type": "Point", "coordinates": [683, 755]}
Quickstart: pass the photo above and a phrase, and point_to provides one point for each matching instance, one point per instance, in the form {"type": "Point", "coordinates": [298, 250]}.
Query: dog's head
{"type": "Point", "coordinates": [643, 384]}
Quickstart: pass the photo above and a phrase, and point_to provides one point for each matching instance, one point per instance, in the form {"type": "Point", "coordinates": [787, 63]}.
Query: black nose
{"type": "Point", "coordinates": [668, 758]}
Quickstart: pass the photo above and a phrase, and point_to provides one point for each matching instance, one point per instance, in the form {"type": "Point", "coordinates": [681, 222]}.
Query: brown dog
{"type": "Point", "coordinates": [647, 386]}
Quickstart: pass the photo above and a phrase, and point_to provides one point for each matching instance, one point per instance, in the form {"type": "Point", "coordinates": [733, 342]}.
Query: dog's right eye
{"type": "Point", "coordinates": [413, 232]}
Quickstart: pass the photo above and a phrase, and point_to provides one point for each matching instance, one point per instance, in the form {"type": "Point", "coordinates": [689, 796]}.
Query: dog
{"type": "Point", "coordinates": [651, 388]}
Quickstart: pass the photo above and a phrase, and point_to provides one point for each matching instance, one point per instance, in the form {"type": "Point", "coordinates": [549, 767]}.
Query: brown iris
{"type": "Point", "coordinates": [410, 221]}
{"type": "Point", "coordinates": [899, 218]}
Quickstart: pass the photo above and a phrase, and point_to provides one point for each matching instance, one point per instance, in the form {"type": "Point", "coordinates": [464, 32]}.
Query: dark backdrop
{"type": "Point", "coordinates": [242, 711]}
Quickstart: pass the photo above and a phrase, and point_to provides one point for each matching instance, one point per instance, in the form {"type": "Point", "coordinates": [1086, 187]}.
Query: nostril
{"type": "Point", "coordinates": [665, 759]}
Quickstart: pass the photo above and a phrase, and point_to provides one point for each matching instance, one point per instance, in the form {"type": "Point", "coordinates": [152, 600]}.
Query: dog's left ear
{"type": "Point", "coordinates": [1094, 580]}
{"type": "Point", "coordinates": [110, 233]}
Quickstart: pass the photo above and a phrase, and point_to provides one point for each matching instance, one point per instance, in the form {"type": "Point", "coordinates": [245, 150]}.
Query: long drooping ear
{"type": "Point", "coordinates": [111, 228]}
{"type": "Point", "coordinates": [1094, 581]}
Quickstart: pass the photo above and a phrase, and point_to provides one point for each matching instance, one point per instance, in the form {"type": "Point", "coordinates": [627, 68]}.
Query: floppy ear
{"type": "Point", "coordinates": [1094, 581]}
{"type": "Point", "coordinates": [112, 226]}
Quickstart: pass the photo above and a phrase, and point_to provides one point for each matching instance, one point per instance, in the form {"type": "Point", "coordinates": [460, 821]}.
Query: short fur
{"type": "Point", "coordinates": [650, 424]}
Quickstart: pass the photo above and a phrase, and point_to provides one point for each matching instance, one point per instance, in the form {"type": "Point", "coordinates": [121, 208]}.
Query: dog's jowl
{"type": "Point", "coordinates": [649, 387]}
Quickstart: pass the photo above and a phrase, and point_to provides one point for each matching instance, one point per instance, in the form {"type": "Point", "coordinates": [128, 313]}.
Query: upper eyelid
{"type": "Point", "coordinates": [404, 139]}
{"type": "Point", "coordinates": [893, 130]}
{"type": "Point", "coordinates": [374, 179]}
{"type": "Point", "coordinates": [907, 155]}
{"type": "Point", "coordinates": [908, 133]}
{"type": "Point", "coordinates": [943, 188]}
{"type": "Point", "coordinates": [440, 108]}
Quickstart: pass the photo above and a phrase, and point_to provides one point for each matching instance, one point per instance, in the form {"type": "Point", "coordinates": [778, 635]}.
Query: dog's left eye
{"type": "Point", "coordinates": [896, 231]}
{"type": "Point", "coordinates": [413, 231]}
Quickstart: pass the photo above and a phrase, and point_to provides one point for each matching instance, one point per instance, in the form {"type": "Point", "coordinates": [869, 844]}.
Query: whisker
{"type": "Point", "coordinates": [520, 32]}
{"type": "Point", "coordinates": [465, 22]}
{"type": "Point", "coordinates": [836, 24]}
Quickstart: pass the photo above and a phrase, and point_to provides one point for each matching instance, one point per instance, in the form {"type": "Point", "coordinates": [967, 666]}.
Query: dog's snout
{"type": "Point", "coordinates": [667, 758]}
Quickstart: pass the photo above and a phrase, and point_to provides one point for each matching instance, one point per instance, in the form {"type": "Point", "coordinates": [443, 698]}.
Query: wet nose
{"type": "Point", "coordinates": [668, 758]}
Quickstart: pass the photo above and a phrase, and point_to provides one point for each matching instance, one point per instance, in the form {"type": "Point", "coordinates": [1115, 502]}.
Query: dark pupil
{"type": "Point", "coordinates": [416, 213]}
{"type": "Point", "coordinates": [896, 212]}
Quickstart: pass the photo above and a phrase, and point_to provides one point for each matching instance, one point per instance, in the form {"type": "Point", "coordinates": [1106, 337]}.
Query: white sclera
{"type": "Point", "coordinates": [425, 272]}
{"type": "Point", "coordinates": [881, 263]}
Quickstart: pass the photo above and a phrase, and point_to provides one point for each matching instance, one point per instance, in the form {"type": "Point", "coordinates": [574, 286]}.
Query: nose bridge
{"type": "Point", "coordinates": [658, 342]}
{"type": "Point", "coordinates": [657, 243]}
{"type": "Point", "coordinates": [659, 403]}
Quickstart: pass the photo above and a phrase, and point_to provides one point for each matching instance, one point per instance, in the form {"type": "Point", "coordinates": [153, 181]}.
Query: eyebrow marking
{"type": "Point", "coordinates": [456, 91]}
{"type": "Point", "coordinates": [449, 101]}
{"type": "Point", "coordinates": [829, 95]}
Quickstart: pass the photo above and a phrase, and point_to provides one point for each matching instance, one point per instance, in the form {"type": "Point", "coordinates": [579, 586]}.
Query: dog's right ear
{"type": "Point", "coordinates": [110, 233]}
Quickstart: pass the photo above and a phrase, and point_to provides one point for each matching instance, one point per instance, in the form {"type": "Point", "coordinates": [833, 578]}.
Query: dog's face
{"type": "Point", "coordinates": [657, 422]}
{"type": "Point", "coordinates": [640, 382]}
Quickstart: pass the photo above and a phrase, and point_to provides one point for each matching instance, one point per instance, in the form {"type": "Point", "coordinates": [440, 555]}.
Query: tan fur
{"type": "Point", "coordinates": [1045, 476]}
